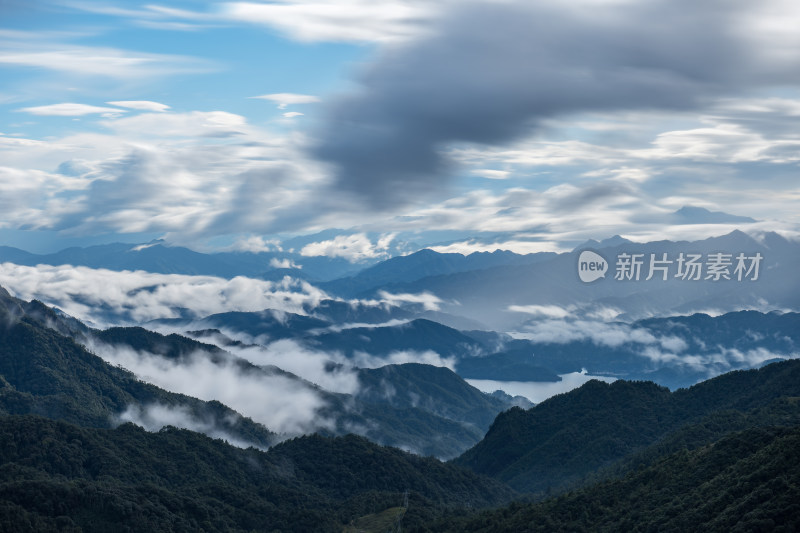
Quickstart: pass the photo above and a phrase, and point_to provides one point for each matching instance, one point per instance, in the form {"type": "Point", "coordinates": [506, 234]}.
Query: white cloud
{"type": "Point", "coordinates": [30, 197]}
{"type": "Point", "coordinates": [492, 174]}
{"type": "Point", "coordinates": [549, 311]}
{"type": "Point", "coordinates": [142, 105]}
{"type": "Point", "coordinates": [195, 174]}
{"type": "Point", "coordinates": [285, 99]}
{"type": "Point", "coordinates": [293, 114]}
{"type": "Point", "coordinates": [70, 110]}
{"type": "Point", "coordinates": [309, 364]}
{"type": "Point", "coordinates": [355, 247]}
{"type": "Point", "coordinates": [282, 404]}
{"type": "Point", "coordinates": [427, 357]}
{"type": "Point", "coordinates": [519, 246]}
{"type": "Point", "coordinates": [715, 363]}
{"type": "Point", "coordinates": [337, 20]}
{"type": "Point", "coordinates": [256, 244]}
{"type": "Point", "coordinates": [612, 335]}
{"type": "Point", "coordinates": [192, 124]}
{"type": "Point", "coordinates": [430, 302]}
{"type": "Point", "coordinates": [283, 263]}
{"type": "Point", "coordinates": [155, 416]}
{"type": "Point", "coordinates": [97, 61]}
{"type": "Point", "coordinates": [108, 297]}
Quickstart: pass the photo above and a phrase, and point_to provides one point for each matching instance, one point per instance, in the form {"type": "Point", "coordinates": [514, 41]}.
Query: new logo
{"type": "Point", "coordinates": [591, 266]}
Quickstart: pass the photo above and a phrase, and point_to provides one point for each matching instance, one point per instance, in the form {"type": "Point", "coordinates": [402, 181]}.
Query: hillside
{"type": "Point", "coordinates": [58, 477]}
{"type": "Point", "coordinates": [746, 481]}
{"type": "Point", "coordinates": [427, 409]}
{"type": "Point", "coordinates": [560, 441]}
{"type": "Point", "coordinates": [44, 372]}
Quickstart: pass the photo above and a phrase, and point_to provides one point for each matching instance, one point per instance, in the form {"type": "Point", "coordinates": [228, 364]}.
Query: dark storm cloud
{"type": "Point", "coordinates": [492, 72]}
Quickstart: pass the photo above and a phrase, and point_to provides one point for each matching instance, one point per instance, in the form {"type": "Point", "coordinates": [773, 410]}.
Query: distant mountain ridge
{"type": "Point", "coordinates": [675, 351]}
{"type": "Point", "coordinates": [425, 263]}
{"type": "Point", "coordinates": [500, 296]}
{"type": "Point", "coordinates": [160, 258]}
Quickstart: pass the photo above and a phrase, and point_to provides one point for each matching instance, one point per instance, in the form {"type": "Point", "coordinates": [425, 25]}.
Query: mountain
{"type": "Point", "coordinates": [746, 481]}
{"type": "Point", "coordinates": [418, 335]}
{"type": "Point", "coordinates": [269, 324]}
{"type": "Point", "coordinates": [500, 296]}
{"type": "Point", "coordinates": [700, 215]}
{"type": "Point", "coordinates": [434, 389]}
{"type": "Point", "coordinates": [47, 373]}
{"type": "Point", "coordinates": [59, 477]}
{"type": "Point", "coordinates": [356, 312]}
{"type": "Point", "coordinates": [160, 258]}
{"type": "Point", "coordinates": [675, 351]}
{"type": "Point", "coordinates": [425, 263]}
{"type": "Point", "coordinates": [560, 441]}
{"type": "Point", "coordinates": [422, 408]}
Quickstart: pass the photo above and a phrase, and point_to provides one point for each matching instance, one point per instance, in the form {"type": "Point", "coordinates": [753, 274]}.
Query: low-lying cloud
{"type": "Point", "coordinates": [612, 335]}
{"type": "Point", "coordinates": [282, 404]}
{"type": "Point", "coordinates": [156, 416]}
{"type": "Point", "coordinates": [103, 297]}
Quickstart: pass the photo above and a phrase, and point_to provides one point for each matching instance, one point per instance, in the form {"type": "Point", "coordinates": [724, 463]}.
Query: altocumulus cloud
{"type": "Point", "coordinates": [490, 73]}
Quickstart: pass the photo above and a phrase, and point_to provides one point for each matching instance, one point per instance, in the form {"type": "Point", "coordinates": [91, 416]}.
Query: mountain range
{"type": "Point", "coordinates": [439, 415]}
{"type": "Point", "coordinates": [675, 351]}
{"type": "Point", "coordinates": [323, 414]}
{"type": "Point", "coordinates": [500, 290]}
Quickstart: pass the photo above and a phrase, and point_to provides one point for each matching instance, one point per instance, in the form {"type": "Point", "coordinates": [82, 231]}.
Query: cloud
{"type": "Point", "coordinates": [426, 357]}
{"type": "Point", "coordinates": [430, 302]}
{"type": "Point", "coordinates": [519, 246]}
{"type": "Point", "coordinates": [44, 51]}
{"type": "Point", "coordinates": [192, 124]}
{"type": "Point", "coordinates": [311, 365]}
{"type": "Point", "coordinates": [142, 105]}
{"type": "Point", "coordinates": [256, 244]}
{"type": "Point", "coordinates": [194, 175]}
{"type": "Point", "coordinates": [293, 114]}
{"type": "Point", "coordinates": [470, 83]}
{"type": "Point", "coordinates": [715, 363]}
{"type": "Point", "coordinates": [335, 20]}
{"type": "Point", "coordinates": [355, 247]}
{"type": "Point", "coordinates": [613, 335]}
{"type": "Point", "coordinates": [102, 296]}
{"type": "Point", "coordinates": [285, 99]}
{"type": "Point", "coordinates": [282, 404]}
{"type": "Point", "coordinates": [549, 311]}
{"type": "Point", "coordinates": [70, 110]}
{"type": "Point", "coordinates": [492, 174]}
{"type": "Point", "coordinates": [35, 198]}
{"type": "Point", "coordinates": [155, 416]}
{"type": "Point", "coordinates": [283, 263]}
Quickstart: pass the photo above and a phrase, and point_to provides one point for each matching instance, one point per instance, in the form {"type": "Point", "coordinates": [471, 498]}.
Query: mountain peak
{"type": "Point", "coordinates": [610, 242]}
{"type": "Point", "coordinates": [689, 214]}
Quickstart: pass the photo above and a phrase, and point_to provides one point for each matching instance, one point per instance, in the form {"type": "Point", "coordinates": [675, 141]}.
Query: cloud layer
{"type": "Point", "coordinates": [106, 297]}
{"type": "Point", "coordinates": [282, 404]}
{"type": "Point", "coordinates": [493, 72]}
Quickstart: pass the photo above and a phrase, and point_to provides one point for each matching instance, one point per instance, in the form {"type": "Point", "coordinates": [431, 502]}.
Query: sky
{"type": "Point", "coordinates": [464, 126]}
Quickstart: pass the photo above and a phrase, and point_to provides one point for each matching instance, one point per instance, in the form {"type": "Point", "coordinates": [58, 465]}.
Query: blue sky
{"type": "Point", "coordinates": [466, 125]}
